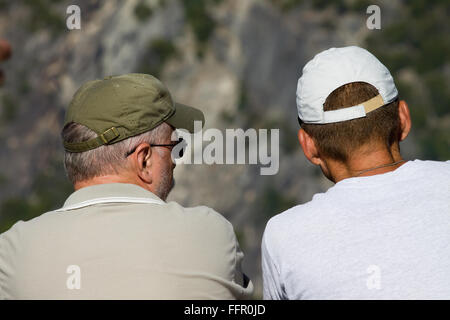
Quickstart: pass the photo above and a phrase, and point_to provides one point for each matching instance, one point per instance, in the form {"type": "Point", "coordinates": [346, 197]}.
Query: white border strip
{"type": "Point", "coordinates": [110, 200]}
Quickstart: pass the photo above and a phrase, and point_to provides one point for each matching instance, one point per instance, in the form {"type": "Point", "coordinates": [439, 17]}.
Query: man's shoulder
{"type": "Point", "coordinates": [305, 211]}
{"type": "Point", "coordinates": [206, 238]}
{"type": "Point", "coordinates": [201, 218]}
{"type": "Point", "coordinates": [188, 220]}
{"type": "Point", "coordinates": [429, 163]}
{"type": "Point", "coordinates": [21, 228]}
{"type": "Point", "coordinates": [295, 219]}
{"type": "Point", "coordinates": [440, 167]}
{"type": "Point", "coordinates": [428, 166]}
{"type": "Point", "coordinates": [428, 172]}
{"type": "Point", "coordinates": [198, 212]}
{"type": "Point", "coordinates": [17, 240]}
{"type": "Point", "coordinates": [285, 218]}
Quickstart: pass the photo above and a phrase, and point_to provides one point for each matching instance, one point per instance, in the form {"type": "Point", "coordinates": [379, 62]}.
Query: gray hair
{"type": "Point", "coordinates": [106, 159]}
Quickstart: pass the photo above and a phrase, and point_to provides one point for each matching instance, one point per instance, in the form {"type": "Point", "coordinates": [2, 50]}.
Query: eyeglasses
{"type": "Point", "coordinates": [170, 146]}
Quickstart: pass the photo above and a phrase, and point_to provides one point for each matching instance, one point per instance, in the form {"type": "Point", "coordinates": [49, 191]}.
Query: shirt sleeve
{"type": "Point", "coordinates": [272, 287]}
{"type": "Point", "coordinates": [3, 266]}
{"type": "Point", "coordinates": [224, 248]}
{"type": "Point", "coordinates": [8, 246]}
{"type": "Point", "coordinates": [240, 277]}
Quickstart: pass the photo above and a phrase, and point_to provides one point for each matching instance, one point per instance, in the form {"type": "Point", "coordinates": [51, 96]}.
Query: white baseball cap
{"type": "Point", "coordinates": [334, 68]}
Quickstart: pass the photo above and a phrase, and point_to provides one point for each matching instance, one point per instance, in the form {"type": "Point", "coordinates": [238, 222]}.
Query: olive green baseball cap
{"type": "Point", "coordinates": [119, 107]}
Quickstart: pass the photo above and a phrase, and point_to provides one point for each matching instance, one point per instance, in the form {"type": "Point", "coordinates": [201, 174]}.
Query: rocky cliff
{"type": "Point", "coordinates": [237, 60]}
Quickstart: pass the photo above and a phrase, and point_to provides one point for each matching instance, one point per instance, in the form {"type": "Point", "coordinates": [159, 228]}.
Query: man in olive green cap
{"type": "Point", "coordinates": [116, 237]}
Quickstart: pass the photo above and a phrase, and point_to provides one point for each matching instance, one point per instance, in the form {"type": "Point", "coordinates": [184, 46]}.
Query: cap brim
{"type": "Point", "coordinates": [184, 118]}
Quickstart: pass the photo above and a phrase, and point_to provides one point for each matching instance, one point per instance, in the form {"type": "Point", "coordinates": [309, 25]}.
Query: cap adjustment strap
{"type": "Point", "coordinates": [109, 135]}
{"type": "Point", "coordinates": [373, 103]}
{"type": "Point", "coordinates": [104, 138]}
{"type": "Point", "coordinates": [354, 112]}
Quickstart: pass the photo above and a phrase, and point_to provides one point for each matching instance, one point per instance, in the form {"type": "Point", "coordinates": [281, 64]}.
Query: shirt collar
{"type": "Point", "coordinates": [109, 190]}
{"type": "Point", "coordinates": [377, 178]}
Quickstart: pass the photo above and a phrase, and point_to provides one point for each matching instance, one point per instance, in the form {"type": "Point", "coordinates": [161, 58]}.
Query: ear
{"type": "Point", "coordinates": [405, 119]}
{"type": "Point", "coordinates": [143, 162]}
{"type": "Point", "coordinates": [309, 147]}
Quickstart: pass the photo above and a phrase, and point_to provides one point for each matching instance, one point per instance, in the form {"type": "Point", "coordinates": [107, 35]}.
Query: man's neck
{"type": "Point", "coordinates": [366, 162]}
{"type": "Point", "coordinates": [104, 179]}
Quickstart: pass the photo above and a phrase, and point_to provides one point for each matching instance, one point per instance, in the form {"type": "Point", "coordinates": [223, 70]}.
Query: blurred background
{"type": "Point", "coordinates": [237, 60]}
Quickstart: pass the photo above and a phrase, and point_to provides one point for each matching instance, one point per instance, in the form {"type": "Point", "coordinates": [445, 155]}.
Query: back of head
{"type": "Point", "coordinates": [106, 159]}
{"type": "Point", "coordinates": [339, 140]}
{"type": "Point", "coordinates": [347, 102]}
{"type": "Point", "coordinates": [119, 130]}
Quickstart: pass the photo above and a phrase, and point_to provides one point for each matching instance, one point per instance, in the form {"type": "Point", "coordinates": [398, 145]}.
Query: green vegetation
{"type": "Point", "coordinates": [24, 87]}
{"type": "Point", "coordinates": [50, 189]}
{"type": "Point", "coordinates": [270, 202]}
{"type": "Point", "coordinates": [164, 49]}
{"type": "Point", "coordinates": [142, 11]}
{"type": "Point", "coordinates": [227, 117]}
{"type": "Point", "coordinates": [240, 236]}
{"type": "Point", "coordinates": [4, 4]}
{"type": "Point", "coordinates": [43, 15]}
{"type": "Point", "coordinates": [339, 5]}
{"type": "Point", "coordinates": [3, 179]}
{"type": "Point", "coordinates": [342, 6]}
{"type": "Point", "coordinates": [286, 5]}
{"type": "Point", "coordinates": [159, 51]}
{"type": "Point", "coordinates": [23, 84]}
{"type": "Point", "coordinates": [242, 108]}
{"type": "Point", "coordinates": [243, 99]}
{"type": "Point", "coordinates": [9, 108]}
{"type": "Point", "coordinates": [200, 20]}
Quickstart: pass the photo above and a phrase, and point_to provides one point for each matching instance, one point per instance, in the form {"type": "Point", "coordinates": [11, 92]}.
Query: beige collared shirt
{"type": "Point", "coordinates": [120, 241]}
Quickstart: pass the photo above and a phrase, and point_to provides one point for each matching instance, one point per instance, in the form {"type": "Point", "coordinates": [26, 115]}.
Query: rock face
{"type": "Point", "coordinates": [241, 71]}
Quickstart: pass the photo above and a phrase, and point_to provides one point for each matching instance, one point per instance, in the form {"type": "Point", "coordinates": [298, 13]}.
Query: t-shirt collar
{"type": "Point", "coordinates": [109, 190]}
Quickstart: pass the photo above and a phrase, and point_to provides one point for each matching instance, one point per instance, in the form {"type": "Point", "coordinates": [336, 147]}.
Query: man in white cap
{"type": "Point", "coordinates": [382, 231]}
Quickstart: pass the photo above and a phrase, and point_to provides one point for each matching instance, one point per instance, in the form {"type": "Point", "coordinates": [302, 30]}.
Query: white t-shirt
{"type": "Point", "coordinates": [385, 236]}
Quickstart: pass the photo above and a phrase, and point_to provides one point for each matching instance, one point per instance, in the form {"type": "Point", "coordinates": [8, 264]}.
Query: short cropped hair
{"type": "Point", "coordinates": [106, 159]}
{"type": "Point", "coordinates": [340, 140]}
